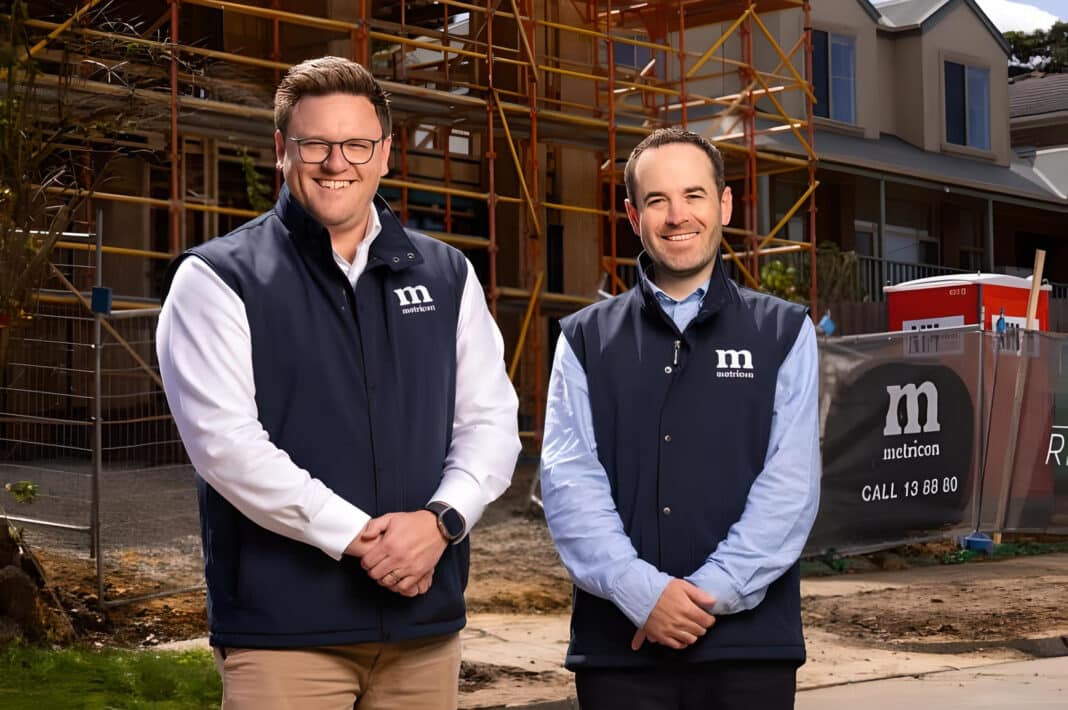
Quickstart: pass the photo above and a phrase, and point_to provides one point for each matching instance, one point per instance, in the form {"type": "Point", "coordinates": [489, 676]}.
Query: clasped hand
{"type": "Point", "coordinates": [679, 617]}
{"type": "Point", "coordinates": [400, 551]}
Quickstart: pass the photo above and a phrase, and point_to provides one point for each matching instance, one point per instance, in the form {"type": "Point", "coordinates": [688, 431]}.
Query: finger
{"type": "Point", "coordinates": [699, 596]}
{"type": "Point", "coordinates": [407, 585]}
{"type": "Point", "coordinates": [638, 640]}
{"type": "Point", "coordinates": [382, 569]}
{"type": "Point", "coordinates": [688, 627]}
{"type": "Point", "coordinates": [698, 617]}
{"type": "Point", "coordinates": [374, 557]}
{"type": "Point", "coordinates": [681, 639]}
{"type": "Point", "coordinates": [375, 527]}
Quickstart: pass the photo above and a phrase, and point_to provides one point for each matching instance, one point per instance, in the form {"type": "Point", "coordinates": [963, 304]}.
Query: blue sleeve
{"type": "Point", "coordinates": [579, 508]}
{"type": "Point", "coordinates": [784, 498]}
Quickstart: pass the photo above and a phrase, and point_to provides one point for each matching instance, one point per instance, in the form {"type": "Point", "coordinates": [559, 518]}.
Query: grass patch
{"type": "Point", "coordinates": [35, 677]}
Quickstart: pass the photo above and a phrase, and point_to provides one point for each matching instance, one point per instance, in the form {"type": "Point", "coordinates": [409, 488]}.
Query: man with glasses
{"type": "Point", "coordinates": [339, 386]}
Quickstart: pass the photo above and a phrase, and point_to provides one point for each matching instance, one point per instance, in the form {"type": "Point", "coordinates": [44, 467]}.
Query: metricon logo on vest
{"type": "Point", "coordinates": [734, 364]}
{"type": "Point", "coordinates": [412, 299]}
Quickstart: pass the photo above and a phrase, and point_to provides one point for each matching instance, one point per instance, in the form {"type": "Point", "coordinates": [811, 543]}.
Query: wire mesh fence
{"type": "Point", "coordinates": [124, 483]}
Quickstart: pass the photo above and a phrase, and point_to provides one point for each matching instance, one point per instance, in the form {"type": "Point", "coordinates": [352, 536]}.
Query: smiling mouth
{"type": "Point", "coordinates": [334, 184]}
{"type": "Point", "coordinates": [685, 236]}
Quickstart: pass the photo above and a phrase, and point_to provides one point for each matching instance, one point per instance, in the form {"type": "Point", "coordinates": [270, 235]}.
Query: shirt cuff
{"type": "Point", "coordinates": [459, 491]}
{"type": "Point", "coordinates": [637, 590]}
{"type": "Point", "coordinates": [335, 526]}
{"type": "Point", "coordinates": [719, 587]}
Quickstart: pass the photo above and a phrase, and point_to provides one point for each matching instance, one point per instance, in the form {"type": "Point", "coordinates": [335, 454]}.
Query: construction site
{"type": "Point", "coordinates": [512, 124]}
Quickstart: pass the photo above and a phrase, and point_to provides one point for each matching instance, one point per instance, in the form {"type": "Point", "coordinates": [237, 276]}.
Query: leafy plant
{"type": "Point", "coordinates": [259, 193]}
{"type": "Point", "coordinates": [22, 491]}
{"type": "Point", "coordinates": [1046, 50]}
{"type": "Point", "coordinates": [780, 279]}
{"type": "Point", "coordinates": [54, 153]}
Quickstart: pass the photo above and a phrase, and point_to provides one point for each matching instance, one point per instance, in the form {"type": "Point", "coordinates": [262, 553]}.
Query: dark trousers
{"type": "Point", "coordinates": [717, 685]}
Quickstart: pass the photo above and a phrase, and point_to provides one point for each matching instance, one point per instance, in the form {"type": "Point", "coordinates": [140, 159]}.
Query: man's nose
{"type": "Point", "coordinates": [335, 162]}
{"type": "Point", "coordinates": [676, 213]}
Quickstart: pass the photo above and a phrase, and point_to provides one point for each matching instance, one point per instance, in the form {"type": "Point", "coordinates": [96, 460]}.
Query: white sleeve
{"type": "Point", "coordinates": [485, 429]}
{"type": "Point", "coordinates": [205, 360]}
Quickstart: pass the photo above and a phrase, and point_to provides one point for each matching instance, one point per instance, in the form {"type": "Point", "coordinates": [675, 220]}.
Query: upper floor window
{"type": "Point", "coordinates": [631, 55]}
{"type": "Point", "coordinates": [967, 105]}
{"type": "Point", "coordinates": [834, 76]}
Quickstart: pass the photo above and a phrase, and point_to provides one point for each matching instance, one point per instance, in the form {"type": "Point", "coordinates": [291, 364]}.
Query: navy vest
{"type": "Point", "coordinates": [682, 422]}
{"type": "Point", "coordinates": [358, 388]}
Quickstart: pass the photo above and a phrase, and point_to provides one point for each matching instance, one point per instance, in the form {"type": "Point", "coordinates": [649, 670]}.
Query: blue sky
{"type": "Point", "coordinates": [1056, 7]}
{"type": "Point", "coordinates": [1022, 15]}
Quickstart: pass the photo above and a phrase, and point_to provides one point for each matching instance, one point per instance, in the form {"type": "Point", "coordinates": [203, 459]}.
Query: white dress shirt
{"type": "Point", "coordinates": [205, 354]}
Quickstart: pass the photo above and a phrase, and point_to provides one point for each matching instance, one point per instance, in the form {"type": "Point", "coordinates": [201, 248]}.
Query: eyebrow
{"type": "Point", "coordinates": [686, 191]}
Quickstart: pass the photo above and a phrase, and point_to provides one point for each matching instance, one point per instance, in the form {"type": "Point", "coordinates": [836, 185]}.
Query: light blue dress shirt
{"type": "Point", "coordinates": [762, 545]}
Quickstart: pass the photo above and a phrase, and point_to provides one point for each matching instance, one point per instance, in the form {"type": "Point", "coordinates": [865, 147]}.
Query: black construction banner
{"type": "Point", "coordinates": [898, 448]}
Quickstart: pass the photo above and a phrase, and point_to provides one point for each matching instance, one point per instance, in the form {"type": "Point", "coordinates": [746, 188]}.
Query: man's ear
{"type": "Point", "coordinates": [632, 215]}
{"type": "Point", "coordinates": [387, 144]}
{"type": "Point", "coordinates": [279, 148]}
{"type": "Point", "coordinates": [726, 206]}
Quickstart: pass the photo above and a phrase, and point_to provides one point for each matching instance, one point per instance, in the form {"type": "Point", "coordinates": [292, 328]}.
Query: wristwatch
{"type": "Point", "coordinates": [450, 523]}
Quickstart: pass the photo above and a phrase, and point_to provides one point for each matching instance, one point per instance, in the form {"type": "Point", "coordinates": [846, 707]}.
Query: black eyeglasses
{"type": "Point", "coordinates": [317, 151]}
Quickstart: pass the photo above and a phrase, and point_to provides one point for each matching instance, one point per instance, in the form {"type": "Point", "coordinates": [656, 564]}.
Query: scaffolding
{"type": "Point", "coordinates": [513, 120]}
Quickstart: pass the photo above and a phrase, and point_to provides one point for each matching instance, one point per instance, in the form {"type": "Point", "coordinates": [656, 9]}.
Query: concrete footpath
{"type": "Point", "coordinates": [1020, 685]}
{"type": "Point", "coordinates": [1016, 685]}
{"type": "Point", "coordinates": [837, 677]}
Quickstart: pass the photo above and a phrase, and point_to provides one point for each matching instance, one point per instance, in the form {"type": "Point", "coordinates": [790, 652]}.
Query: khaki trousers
{"type": "Point", "coordinates": [409, 675]}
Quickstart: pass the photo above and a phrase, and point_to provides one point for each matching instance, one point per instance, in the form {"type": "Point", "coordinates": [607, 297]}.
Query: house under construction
{"type": "Point", "coordinates": [512, 122]}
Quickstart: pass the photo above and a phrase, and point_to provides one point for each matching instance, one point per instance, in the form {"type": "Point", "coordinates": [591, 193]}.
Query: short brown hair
{"type": "Point", "coordinates": [666, 136]}
{"type": "Point", "coordinates": [329, 75]}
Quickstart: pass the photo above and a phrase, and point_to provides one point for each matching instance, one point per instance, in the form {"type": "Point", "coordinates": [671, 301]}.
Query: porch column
{"type": "Point", "coordinates": [989, 260]}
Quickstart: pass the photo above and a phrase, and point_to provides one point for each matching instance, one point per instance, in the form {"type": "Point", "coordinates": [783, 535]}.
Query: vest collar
{"type": "Point", "coordinates": [392, 248]}
{"type": "Point", "coordinates": [721, 290]}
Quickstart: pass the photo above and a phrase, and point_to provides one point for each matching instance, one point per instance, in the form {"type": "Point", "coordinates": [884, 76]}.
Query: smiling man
{"type": "Point", "coordinates": [339, 386]}
{"type": "Point", "coordinates": [680, 461]}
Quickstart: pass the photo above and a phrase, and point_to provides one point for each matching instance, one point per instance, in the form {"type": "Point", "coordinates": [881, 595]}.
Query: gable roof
{"type": "Point", "coordinates": [902, 15]}
{"type": "Point", "coordinates": [870, 9]}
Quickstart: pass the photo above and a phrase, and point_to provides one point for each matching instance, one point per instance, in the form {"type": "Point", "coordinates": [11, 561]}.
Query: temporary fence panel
{"type": "Point", "coordinates": [45, 430]}
{"type": "Point", "coordinates": [1027, 475]}
{"type": "Point", "coordinates": [148, 503]}
{"type": "Point", "coordinates": [899, 415]}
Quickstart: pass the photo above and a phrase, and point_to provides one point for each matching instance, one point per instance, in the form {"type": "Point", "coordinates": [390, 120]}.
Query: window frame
{"type": "Point", "coordinates": [828, 61]}
{"type": "Point", "coordinates": [967, 64]}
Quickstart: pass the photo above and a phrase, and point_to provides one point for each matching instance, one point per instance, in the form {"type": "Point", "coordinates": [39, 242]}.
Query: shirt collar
{"type": "Point", "coordinates": [698, 295]}
{"type": "Point", "coordinates": [374, 228]}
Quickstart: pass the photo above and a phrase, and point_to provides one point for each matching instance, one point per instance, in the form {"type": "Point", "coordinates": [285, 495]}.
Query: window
{"type": "Point", "coordinates": [834, 76]}
{"type": "Point", "coordinates": [967, 106]}
{"type": "Point", "coordinates": [864, 238]}
{"type": "Point", "coordinates": [631, 55]}
{"type": "Point", "coordinates": [428, 137]}
{"type": "Point", "coordinates": [910, 246]}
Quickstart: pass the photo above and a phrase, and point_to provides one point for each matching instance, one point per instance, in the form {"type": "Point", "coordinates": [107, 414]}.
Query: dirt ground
{"type": "Point", "coordinates": [515, 570]}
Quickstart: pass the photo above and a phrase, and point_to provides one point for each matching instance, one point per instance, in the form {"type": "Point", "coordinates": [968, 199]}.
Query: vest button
{"type": "Point", "coordinates": [667, 510]}
{"type": "Point", "coordinates": [667, 369]}
{"type": "Point", "coordinates": [411, 256]}
{"type": "Point", "coordinates": [396, 259]}
{"type": "Point", "coordinates": [667, 437]}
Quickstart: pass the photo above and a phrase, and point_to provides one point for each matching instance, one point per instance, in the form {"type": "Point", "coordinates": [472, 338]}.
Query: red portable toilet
{"type": "Point", "coordinates": [953, 300]}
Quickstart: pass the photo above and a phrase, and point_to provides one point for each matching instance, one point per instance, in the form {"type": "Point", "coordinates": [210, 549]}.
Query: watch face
{"type": "Point", "coordinates": [453, 522]}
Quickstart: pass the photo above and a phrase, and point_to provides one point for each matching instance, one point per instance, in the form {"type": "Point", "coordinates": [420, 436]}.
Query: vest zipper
{"type": "Point", "coordinates": [675, 361]}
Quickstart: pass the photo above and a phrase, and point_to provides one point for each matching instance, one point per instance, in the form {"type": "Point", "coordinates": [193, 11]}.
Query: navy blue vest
{"type": "Point", "coordinates": [358, 388]}
{"type": "Point", "coordinates": [682, 422]}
